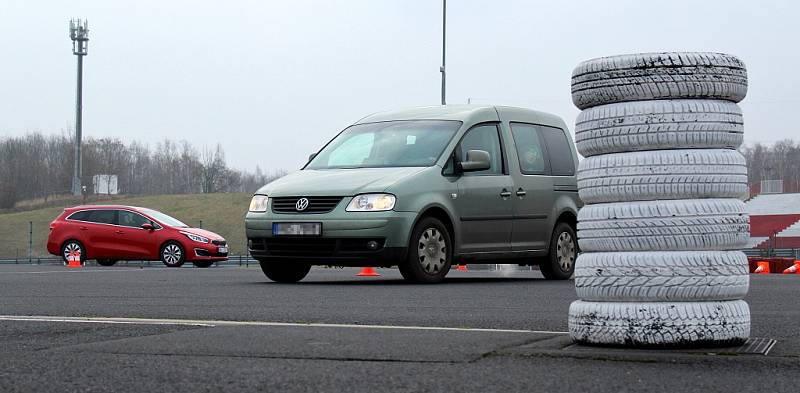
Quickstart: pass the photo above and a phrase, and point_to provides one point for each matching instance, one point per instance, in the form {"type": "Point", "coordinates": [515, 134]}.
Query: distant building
{"type": "Point", "coordinates": [105, 184]}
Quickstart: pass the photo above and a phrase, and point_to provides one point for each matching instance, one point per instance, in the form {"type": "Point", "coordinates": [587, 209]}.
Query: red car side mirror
{"type": "Point", "coordinates": [148, 227]}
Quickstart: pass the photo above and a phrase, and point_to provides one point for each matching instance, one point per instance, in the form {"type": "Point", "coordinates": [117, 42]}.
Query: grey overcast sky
{"type": "Point", "coordinates": [272, 81]}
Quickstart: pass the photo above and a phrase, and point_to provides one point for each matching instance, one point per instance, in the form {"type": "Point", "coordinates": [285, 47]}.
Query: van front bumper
{"type": "Point", "coordinates": [348, 238]}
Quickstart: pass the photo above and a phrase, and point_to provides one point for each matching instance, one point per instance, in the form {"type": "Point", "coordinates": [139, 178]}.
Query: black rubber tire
{"type": "Point", "coordinates": [550, 266]}
{"type": "Point", "coordinates": [82, 250]}
{"type": "Point", "coordinates": [202, 264]}
{"type": "Point", "coordinates": [411, 269]}
{"type": "Point", "coordinates": [106, 262]}
{"type": "Point", "coordinates": [180, 261]}
{"type": "Point", "coordinates": [284, 272]}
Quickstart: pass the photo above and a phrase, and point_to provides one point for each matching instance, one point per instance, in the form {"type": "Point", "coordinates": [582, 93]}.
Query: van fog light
{"type": "Point", "coordinates": [372, 245]}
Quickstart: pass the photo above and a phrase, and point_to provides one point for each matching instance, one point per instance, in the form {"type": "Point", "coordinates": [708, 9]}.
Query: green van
{"type": "Point", "coordinates": [424, 189]}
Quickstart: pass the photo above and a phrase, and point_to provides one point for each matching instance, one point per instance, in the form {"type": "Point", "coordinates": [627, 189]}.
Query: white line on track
{"type": "Point", "coordinates": [77, 271]}
{"type": "Point", "coordinates": [214, 323]}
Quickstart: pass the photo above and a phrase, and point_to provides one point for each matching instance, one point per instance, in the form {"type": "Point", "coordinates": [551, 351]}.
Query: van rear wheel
{"type": "Point", "coordinates": [560, 263]}
{"type": "Point", "coordinates": [430, 253]}
{"type": "Point", "coordinates": [284, 272]}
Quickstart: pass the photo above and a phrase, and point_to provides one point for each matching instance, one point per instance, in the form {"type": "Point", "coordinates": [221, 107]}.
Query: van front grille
{"type": "Point", "coordinates": [315, 204]}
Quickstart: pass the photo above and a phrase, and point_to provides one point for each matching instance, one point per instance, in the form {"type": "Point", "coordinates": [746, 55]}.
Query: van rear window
{"type": "Point", "coordinates": [559, 152]}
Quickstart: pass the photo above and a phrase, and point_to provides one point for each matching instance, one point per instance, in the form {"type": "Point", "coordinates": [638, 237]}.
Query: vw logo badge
{"type": "Point", "coordinates": [302, 204]}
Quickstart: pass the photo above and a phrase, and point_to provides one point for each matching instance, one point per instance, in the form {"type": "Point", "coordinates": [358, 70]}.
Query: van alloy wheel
{"type": "Point", "coordinates": [432, 251]}
{"type": "Point", "coordinates": [559, 264]}
{"type": "Point", "coordinates": [429, 253]}
{"type": "Point", "coordinates": [566, 251]}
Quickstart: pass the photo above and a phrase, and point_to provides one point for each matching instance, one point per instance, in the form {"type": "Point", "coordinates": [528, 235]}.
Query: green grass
{"type": "Point", "coordinates": [220, 213]}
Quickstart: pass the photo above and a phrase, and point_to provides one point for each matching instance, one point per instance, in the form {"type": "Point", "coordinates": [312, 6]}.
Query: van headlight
{"type": "Point", "coordinates": [259, 203]}
{"type": "Point", "coordinates": [372, 203]}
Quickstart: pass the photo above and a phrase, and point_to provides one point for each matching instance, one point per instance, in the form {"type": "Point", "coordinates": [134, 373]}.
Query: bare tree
{"type": "Point", "coordinates": [39, 166]}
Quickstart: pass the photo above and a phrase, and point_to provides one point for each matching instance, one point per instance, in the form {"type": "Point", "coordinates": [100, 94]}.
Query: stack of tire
{"type": "Point", "coordinates": [663, 218]}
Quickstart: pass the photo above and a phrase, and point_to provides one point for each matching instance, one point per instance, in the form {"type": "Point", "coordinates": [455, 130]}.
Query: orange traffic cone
{"type": "Point", "coordinates": [368, 272]}
{"type": "Point", "coordinates": [74, 259]}
{"type": "Point", "coordinates": [794, 269]}
{"type": "Point", "coordinates": [462, 268]}
{"type": "Point", "coordinates": [763, 267]}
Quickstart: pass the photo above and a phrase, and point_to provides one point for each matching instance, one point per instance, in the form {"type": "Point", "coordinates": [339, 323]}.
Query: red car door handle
{"type": "Point", "coordinates": [119, 232]}
{"type": "Point", "coordinates": [83, 228]}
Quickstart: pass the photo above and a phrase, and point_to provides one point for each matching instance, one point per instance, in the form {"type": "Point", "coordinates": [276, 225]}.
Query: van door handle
{"type": "Point", "coordinates": [505, 193]}
{"type": "Point", "coordinates": [521, 193]}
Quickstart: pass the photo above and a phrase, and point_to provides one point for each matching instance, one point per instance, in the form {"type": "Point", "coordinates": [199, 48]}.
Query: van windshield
{"type": "Point", "coordinates": [403, 143]}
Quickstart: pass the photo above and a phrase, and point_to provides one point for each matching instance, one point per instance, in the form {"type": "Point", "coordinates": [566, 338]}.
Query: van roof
{"type": "Point", "coordinates": [466, 113]}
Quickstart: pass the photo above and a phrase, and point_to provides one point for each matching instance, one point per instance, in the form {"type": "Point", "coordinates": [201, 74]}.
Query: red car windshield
{"type": "Point", "coordinates": [164, 219]}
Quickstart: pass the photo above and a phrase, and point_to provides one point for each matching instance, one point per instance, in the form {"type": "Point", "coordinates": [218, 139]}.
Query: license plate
{"type": "Point", "coordinates": [222, 250]}
{"type": "Point", "coordinates": [297, 229]}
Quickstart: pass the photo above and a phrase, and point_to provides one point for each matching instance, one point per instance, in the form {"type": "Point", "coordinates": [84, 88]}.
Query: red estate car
{"type": "Point", "coordinates": [112, 233]}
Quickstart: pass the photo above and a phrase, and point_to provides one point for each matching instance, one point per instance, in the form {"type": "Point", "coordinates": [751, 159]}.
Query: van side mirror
{"type": "Point", "coordinates": [148, 227]}
{"type": "Point", "coordinates": [311, 157]}
{"type": "Point", "coordinates": [477, 160]}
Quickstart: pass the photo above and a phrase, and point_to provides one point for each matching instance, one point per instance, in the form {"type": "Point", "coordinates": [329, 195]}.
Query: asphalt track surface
{"type": "Point", "coordinates": [229, 329]}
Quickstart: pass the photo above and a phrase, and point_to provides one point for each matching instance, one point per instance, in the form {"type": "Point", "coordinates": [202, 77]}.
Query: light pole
{"type": "Point", "coordinates": [79, 34]}
{"type": "Point", "coordinates": [444, 31]}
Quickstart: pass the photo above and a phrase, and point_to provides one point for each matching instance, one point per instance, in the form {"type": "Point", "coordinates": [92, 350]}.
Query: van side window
{"type": "Point", "coordinates": [103, 216]}
{"type": "Point", "coordinates": [561, 161]}
{"type": "Point", "coordinates": [530, 150]}
{"type": "Point", "coordinates": [483, 137]}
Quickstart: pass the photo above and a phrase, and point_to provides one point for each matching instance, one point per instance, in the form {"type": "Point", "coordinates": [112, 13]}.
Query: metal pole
{"type": "Point", "coordinates": [444, 41]}
{"type": "Point", "coordinates": [76, 179]}
{"type": "Point", "coordinates": [30, 241]}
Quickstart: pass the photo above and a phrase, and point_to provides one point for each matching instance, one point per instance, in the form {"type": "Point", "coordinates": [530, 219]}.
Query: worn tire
{"type": "Point", "coordinates": [668, 225]}
{"type": "Point", "coordinates": [667, 324]}
{"type": "Point", "coordinates": [662, 276]}
{"type": "Point", "coordinates": [284, 272]}
{"type": "Point", "coordinates": [663, 174]}
{"type": "Point", "coordinates": [654, 76]}
{"type": "Point", "coordinates": [657, 125]}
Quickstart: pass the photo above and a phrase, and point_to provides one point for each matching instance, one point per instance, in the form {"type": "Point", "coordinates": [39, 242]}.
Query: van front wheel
{"type": "Point", "coordinates": [284, 272]}
{"type": "Point", "coordinates": [430, 253]}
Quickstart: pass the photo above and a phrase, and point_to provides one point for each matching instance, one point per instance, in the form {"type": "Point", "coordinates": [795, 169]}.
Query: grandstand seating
{"type": "Point", "coordinates": [775, 215]}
